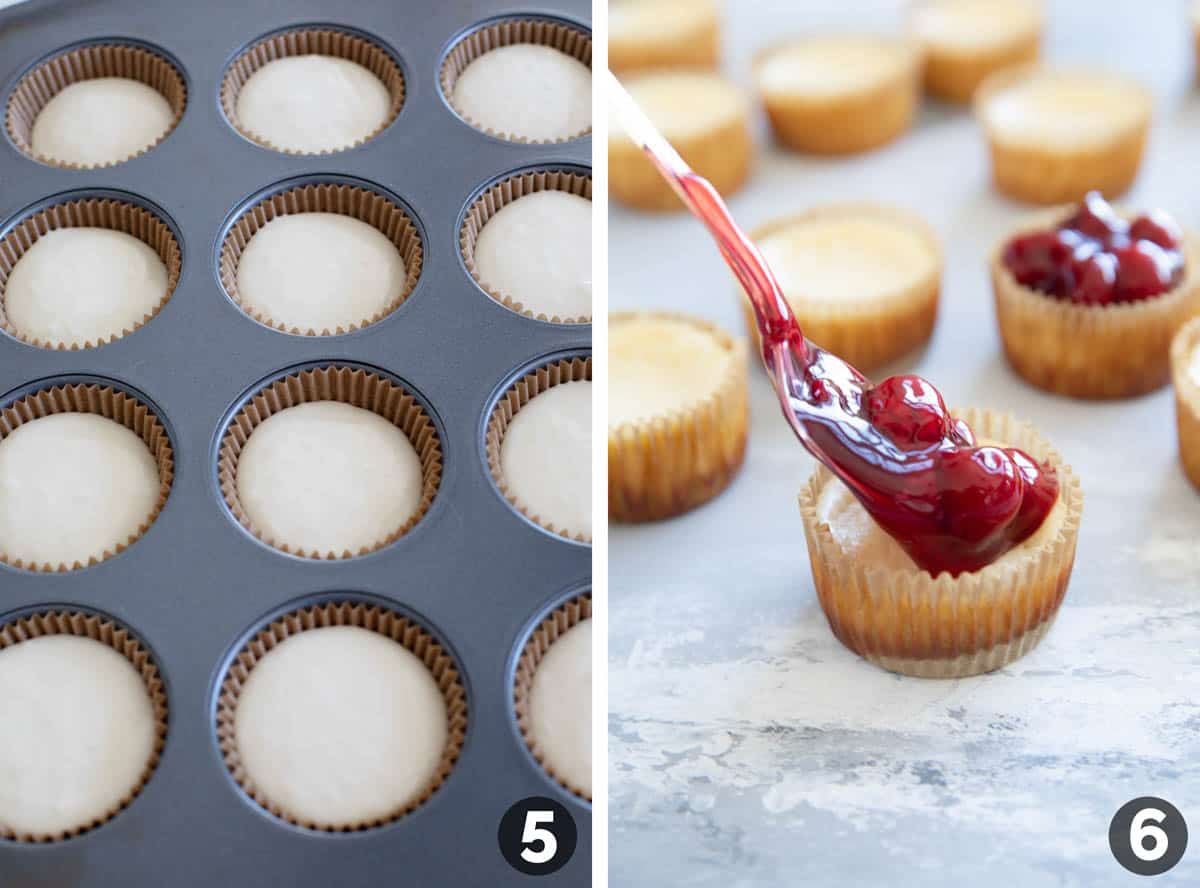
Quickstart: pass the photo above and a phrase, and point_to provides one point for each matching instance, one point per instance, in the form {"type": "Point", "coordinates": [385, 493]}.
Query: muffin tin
{"type": "Point", "coordinates": [473, 572]}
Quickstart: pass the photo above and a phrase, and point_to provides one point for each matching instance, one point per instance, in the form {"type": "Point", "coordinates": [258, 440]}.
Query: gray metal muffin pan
{"type": "Point", "coordinates": [473, 571]}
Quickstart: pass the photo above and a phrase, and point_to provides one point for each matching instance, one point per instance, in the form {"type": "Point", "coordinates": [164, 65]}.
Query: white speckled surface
{"type": "Point", "coordinates": [747, 747]}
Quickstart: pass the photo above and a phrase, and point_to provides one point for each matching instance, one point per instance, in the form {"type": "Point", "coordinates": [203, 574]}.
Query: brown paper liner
{"type": "Point", "coordinates": [866, 333]}
{"type": "Point", "coordinates": [568, 39]}
{"type": "Point", "coordinates": [518, 395]}
{"type": "Point", "coordinates": [947, 627]}
{"type": "Point", "coordinates": [680, 460]}
{"type": "Point", "coordinates": [724, 155]}
{"type": "Point", "coordinates": [312, 41]}
{"type": "Point", "coordinates": [697, 45]}
{"type": "Point", "coordinates": [380, 212]}
{"type": "Point", "coordinates": [1049, 175]}
{"type": "Point", "coordinates": [349, 385]}
{"type": "Point", "coordinates": [120, 639]}
{"type": "Point", "coordinates": [844, 124]}
{"type": "Point", "coordinates": [1187, 398]}
{"type": "Point", "coordinates": [953, 73]}
{"type": "Point", "coordinates": [547, 632]}
{"type": "Point", "coordinates": [35, 90]}
{"type": "Point", "coordinates": [111, 404]}
{"type": "Point", "coordinates": [495, 199]}
{"type": "Point", "coordinates": [1090, 351]}
{"type": "Point", "coordinates": [115, 215]}
{"type": "Point", "coordinates": [390, 624]}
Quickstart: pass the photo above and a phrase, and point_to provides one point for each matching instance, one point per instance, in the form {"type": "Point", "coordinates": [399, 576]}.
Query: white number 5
{"type": "Point", "coordinates": [1139, 831]}
{"type": "Point", "coordinates": [534, 833]}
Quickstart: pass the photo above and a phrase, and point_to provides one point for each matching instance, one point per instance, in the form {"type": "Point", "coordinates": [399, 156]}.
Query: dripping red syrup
{"type": "Point", "coordinates": [952, 505]}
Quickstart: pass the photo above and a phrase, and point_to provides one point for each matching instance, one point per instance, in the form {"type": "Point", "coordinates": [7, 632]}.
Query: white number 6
{"type": "Point", "coordinates": [534, 833]}
{"type": "Point", "coordinates": [1138, 831]}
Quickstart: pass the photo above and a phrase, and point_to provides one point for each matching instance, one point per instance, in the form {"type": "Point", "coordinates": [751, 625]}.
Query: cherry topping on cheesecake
{"type": "Point", "coordinates": [1095, 257]}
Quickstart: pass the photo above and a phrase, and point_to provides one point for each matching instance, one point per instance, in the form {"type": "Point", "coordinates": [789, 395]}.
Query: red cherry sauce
{"type": "Point", "coordinates": [1094, 257]}
{"type": "Point", "coordinates": [952, 505]}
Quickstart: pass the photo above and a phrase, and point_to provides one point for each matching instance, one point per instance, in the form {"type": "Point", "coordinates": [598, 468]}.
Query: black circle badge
{"type": "Point", "coordinates": [1148, 836]}
{"type": "Point", "coordinates": [537, 836]}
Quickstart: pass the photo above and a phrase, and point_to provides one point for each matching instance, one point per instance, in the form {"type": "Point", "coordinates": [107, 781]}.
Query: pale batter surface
{"type": "Point", "coordinates": [538, 251]}
{"type": "Point", "coordinates": [1194, 366]}
{"type": "Point", "coordinates": [313, 103]}
{"type": "Point", "coordinates": [658, 366]}
{"type": "Point", "coordinates": [73, 485]}
{"type": "Point", "coordinates": [79, 732]}
{"type": "Point", "coordinates": [833, 67]}
{"type": "Point", "coordinates": [976, 24]}
{"type": "Point", "coordinates": [101, 121]}
{"type": "Point", "coordinates": [340, 725]}
{"type": "Point", "coordinates": [1065, 109]}
{"type": "Point", "coordinates": [844, 258]}
{"type": "Point", "coordinates": [328, 477]}
{"type": "Point", "coordinates": [533, 92]}
{"type": "Point", "coordinates": [84, 285]}
{"type": "Point", "coordinates": [560, 706]}
{"type": "Point", "coordinates": [683, 104]}
{"type": "Point", "coordinates": [545, 457]}
{"type": "Point", "coordinates": [319, 272]}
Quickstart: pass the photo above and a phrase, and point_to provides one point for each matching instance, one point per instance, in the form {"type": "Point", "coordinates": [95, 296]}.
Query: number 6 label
{"type": "Point", "coordinates": [1148, 836]}
{"type": "Point", "coordinates": [537, 836]}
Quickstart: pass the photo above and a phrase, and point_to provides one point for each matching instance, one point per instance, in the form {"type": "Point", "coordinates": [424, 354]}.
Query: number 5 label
{"type": "Point", "coordinates": [1148, 836]}
{"type": "Point", "coordinates": [534, 834]}
{"type": "Point", "coordinates": [537, 836]}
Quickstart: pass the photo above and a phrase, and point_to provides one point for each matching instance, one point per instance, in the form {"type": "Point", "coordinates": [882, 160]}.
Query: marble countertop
{"type": "Point", "coordinates": [747, 746]}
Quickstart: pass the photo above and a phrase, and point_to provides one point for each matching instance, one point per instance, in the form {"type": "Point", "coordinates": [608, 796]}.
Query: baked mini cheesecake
{"type": "Point", "coordinates": [839, 95]}
{"type": "Point", "coordinates": [663, 34]}
{"type": "Point", "coordinates": [862, 279]}
{"type": "Point", "coordinates": [704, 116]}
{"type": "Point", "coordinates": [964, 41]}
{"type": "Point", "coordinates": [677, 414]}
{"type": "Point", "coordinates": [1057, 133]}
{"type": "Point", "coordinates": [1185, 371]}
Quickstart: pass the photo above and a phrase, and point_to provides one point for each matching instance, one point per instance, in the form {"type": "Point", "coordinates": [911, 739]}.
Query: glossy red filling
{"type": "Point", "coordinates": [1094, 257]}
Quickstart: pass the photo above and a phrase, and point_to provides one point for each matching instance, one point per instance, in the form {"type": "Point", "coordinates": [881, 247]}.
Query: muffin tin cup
{"type": "Point", "coordinates": [554, 33]}
{"type": "Point", "coordinates": [496, 198]}
{"type": "Point", "coordinates": [352, 385]}
{"type": "Point", "coordinates": [346, 197]}
{"type": "Point", "coordinates": [39, 623]}
{"type": "Point", "coordinates": [109, 210]}
{"type": "Point", "coordinates": [548, 631]}
{"type": "Point", "coordinates": [671, 464]}
{"type": "Point", "coordinates": [87, 61]}
{"type": "Point", "coordinates": [326, 40]}
{"type": "Point", "coordinates": [1187, 398]}
{"type": "Point", "coordinates": [390, 623]}
{"type": "Point", "coordinates": [909, 622]}
{"type": "Point", "coordinates": [1090, 351]}
{"type": "Point", "coordinates": [520, 393]}
{"type": "Point", "coordinates": [102, 399]}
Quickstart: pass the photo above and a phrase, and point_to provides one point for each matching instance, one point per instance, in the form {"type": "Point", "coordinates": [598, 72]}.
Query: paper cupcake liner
{"type": "Point", "coordinates": [349, 385]}
{"type": "Point", "coordinates": [390, 624]}
{"type": "Point", "coordinates": [696, 46]}
{"type": "Point", "coordinates": [680, 460]}
{"type": "Point", "coordinates": [569, 39]}
{"type": "Point", "coordinates": [547, 632]}
{"type": "Point", "coordinates": [1187, 398]}
{"type": "Point", "coordinates": [380, 212]}
{"type": "Point", "coordinates": [518, 395]}
{"type": "Point", "coordinates": [120, 639]}
{"type": "Point", "coordinates": [89, 62]}
{"type": "Point", "coordinates": [844, 124]}
{"type": "Point", "coordinates": [495, 199]}
{"type": "Point", "coordinates": [113, 214]}
{"type": "Point", "coordinates": [1090, 351]}
{"type": "Point", "coordinates": [867, 333]}
{"type": "Point", "coordinates": [947, 627]}
{"type": "Point", "coordinates": [332, 42]}
{"type": "Point", "coordinates": [724, 155]}
{"type": "Point", "coordinates": [112, 404]}
{"type": "Point", "coordinates": [1048, 175]}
